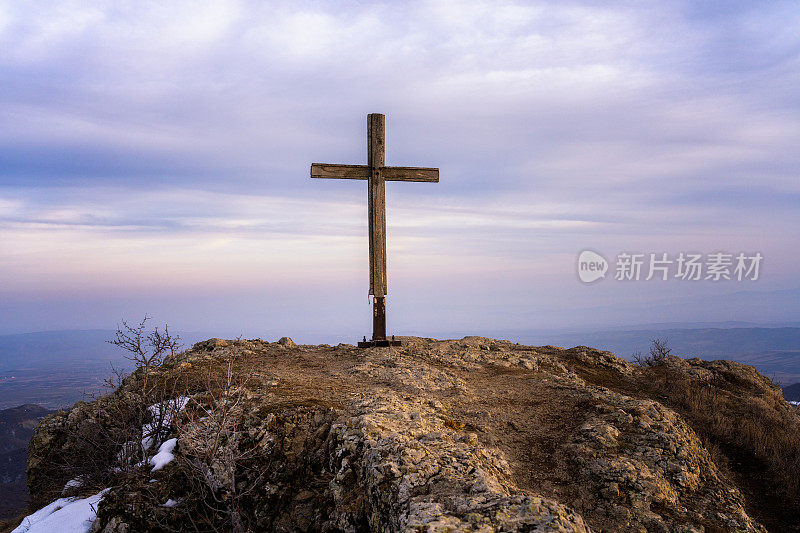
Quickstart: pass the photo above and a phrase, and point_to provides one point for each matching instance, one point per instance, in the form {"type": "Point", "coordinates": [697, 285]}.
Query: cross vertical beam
{"type": "Point", "coordinates": [376, 173]}
{"type": "Point", "coordinates": [376, 204]}
{"type": "Point", "coordinates": [376, 190]}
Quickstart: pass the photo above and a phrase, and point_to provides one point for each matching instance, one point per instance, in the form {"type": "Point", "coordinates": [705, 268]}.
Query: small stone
{"type": "Point", "coordinates": [286, 341]}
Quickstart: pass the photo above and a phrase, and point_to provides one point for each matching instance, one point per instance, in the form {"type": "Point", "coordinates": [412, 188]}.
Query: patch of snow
{"type": "Point", "coordinates": [65, 515]}
{"type": "Point", "coordinates": [164, 455]}
{"type": "Point", "coordinates": [171, 503]}
{"type": "Point", "coordinates": [170, 408]}
{"type": "Point", "coordinates": [72, 483]}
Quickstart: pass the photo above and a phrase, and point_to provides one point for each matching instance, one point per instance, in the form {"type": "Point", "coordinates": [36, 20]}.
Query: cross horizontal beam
{"type": "Point", "coordinates": [363, 172]}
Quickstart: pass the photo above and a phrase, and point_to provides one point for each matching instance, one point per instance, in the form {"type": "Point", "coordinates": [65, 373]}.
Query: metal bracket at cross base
{"type": "Point", "coordinates": [378, 326]}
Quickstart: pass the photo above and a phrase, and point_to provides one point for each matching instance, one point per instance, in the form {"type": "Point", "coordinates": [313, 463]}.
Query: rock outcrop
{"type": "Point", "coordinates": [466, 435]}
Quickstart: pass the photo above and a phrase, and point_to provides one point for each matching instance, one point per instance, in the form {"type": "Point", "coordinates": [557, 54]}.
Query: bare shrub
{"type": "Point", "coordinates": [157, 400]}
{"type": "Point", "coordinates": [145, 350]}
{"type": "Point", "coordinates": [213, 453]}
{"type": "Point", "coordinates": [117, 430]}
{"type": "Point", "coordinates": [659, 351]}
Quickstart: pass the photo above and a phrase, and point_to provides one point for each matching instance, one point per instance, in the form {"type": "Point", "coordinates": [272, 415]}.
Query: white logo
{"type": "Point", "coordinates": [591, 266]}
{"type": "Point", "coordinates": [684, 266]}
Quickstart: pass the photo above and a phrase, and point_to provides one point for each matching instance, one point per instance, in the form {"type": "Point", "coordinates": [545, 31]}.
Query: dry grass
{"type": "Point", "coordinates": [756, 433]}
{"type": "Point", "coordinates": [752, 434]}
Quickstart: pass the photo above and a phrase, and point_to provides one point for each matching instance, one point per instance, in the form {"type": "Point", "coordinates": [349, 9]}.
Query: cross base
{"type": "Point", "coordinates": [377, 343]}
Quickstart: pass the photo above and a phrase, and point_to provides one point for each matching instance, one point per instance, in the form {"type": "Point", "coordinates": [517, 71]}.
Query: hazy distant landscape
{"type": "Point", "coordinates": [55, 369]}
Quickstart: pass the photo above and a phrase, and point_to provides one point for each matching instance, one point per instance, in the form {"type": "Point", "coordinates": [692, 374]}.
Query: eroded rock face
{"type": "Point", "coordinates": [466, 435]}
{"type": "Point", "coordinates": [416, 474]}
{"type": "Point", "coordinates": [642, 463]}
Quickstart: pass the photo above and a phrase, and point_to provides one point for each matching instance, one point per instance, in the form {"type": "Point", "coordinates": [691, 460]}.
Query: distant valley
{"type": "Point", "coordinates": [16, 429]}
{"type": "Point", "coordinates": [58, 368]}
{"type": "Point", "coordinates": [55, 368]}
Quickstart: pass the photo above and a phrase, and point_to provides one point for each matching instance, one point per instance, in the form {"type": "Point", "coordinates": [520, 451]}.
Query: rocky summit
{"type": "Point", "coordinates": [459, 435]}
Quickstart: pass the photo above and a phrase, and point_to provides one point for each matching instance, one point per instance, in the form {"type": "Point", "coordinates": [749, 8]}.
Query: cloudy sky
{"type": "Point", "coordinates": [154, 159]}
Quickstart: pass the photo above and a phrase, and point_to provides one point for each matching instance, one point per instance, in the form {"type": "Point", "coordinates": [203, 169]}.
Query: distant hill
{"type": "Point", "coordinates": [792, 392]}
{"type": "Point", "coordinates": [16, 429]}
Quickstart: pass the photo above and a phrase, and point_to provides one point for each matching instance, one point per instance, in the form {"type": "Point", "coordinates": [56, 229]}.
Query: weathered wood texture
{"type": "Point", "coordinates": [430, 175]}
{"type": "Point", "coordinates": [376, 174]}
{"type": "Point", "coordinates": [343, 172]}
{"type": "Point", "coordinates": [377, 204]}
{"type": "Point", "coordinates": [362, 172]}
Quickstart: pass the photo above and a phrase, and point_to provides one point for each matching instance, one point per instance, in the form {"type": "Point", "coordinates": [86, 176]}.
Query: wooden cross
{"type": "Point", "coordinates": [376, 175]}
